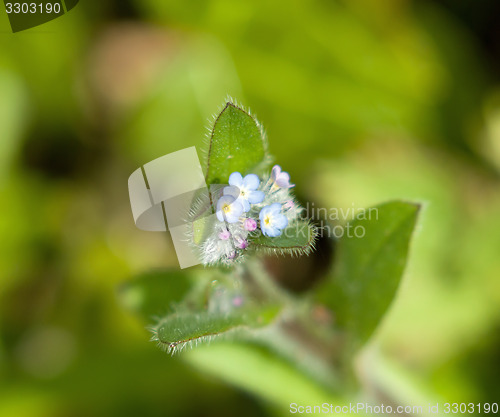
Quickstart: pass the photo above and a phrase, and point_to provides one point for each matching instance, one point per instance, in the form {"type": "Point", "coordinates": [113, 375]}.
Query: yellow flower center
{"type": "Point", "coordinates": [226, 208]}
{"type": "Point", "coordinates": [267, 220]}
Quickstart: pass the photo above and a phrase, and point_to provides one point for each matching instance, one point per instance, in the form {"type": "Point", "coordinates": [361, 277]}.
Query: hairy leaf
{"type": "Point", "coordinates": [237, 143]}
{"type": "Point", "coordinates": [297, 239]}
{"type": "Point", "coordinates": [179, 330]}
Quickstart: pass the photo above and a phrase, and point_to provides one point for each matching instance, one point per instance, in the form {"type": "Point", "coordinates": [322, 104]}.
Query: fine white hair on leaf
{"type": "Point", "coordinates": [200, 330]}
{"type": "Point", "coordinates": [299, 250]}
{"type": "Point", "coordinates": [207, 140]}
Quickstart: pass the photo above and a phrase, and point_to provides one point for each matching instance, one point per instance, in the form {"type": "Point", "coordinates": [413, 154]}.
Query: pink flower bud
{"type": "Point", "coordinates": [250, 225]}
{"type": "Point", "coordinates": [225, 235]}
{"type": "Point", "coordinates": [242, 244]}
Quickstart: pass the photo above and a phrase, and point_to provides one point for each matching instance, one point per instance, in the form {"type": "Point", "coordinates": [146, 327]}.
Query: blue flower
{"type": "Point", "coordinates": [228, 209]}
{"type": "Point", "coordinates": [244, 190]}
{"type": "Point", "coordinates": [272, 222]}
{"type": "Point", "coordinates": [281, 178]}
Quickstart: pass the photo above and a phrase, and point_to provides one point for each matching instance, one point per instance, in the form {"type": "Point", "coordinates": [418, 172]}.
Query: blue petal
{"type": "Point", "coordinates": [232, 191]}
{"type": "Point", "coordinates": [280, 221]}
{"type": "Point", "coordinates": [263, 213]}
{"type": "Point", "coordinates": [275, 208]}
{"type": "Point", "coordinates": [271, 231]}
{"type": "Point", "coordinates": [236, 211]}
{"type": "Point", "coordinates": [232, 218]}
{"type": "Point", "coordinates": [236, 179]}
{"type": "Point", "coordinates": [256, 197]}
{"type": "Point", "coordinates": [225, 199]}
{"type": "Point", "coordinates": [283, 180]}
{"type": "Point", "coordinates": [275, 172]}
{"type": "Point", "coordinates": [244, 203]}
{"type": "Point", "coordinates": [251, 182]}
{"type": "Point", "coordinates": [237, 208]}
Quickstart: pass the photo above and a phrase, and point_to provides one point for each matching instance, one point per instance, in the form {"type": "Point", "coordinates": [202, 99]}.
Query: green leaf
{"type": "Point", "coordinates": [179, 330]}
{"type": "Point", "coordinates": [262, 373]}
{"type": "Point", "coordinates": [297, 239]}
{"type": "Point", "coordinates": [237, 143]}
{"type": "Point", "coordinates": [369, 268]}
{"type": "Point", "coordinates": [13, 111]}
{"type": "Point", "coordinates": [155, 293]}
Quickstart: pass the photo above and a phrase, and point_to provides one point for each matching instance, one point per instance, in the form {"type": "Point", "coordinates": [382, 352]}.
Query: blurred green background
{"type": "Point", "coordinates": [362, 100]}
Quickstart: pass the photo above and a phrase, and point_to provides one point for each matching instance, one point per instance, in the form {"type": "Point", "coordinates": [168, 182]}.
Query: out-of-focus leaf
{"type": "Point", "coordinates": [179, 330]}
{"type": "Point", "coordinates": [370, 267]}
{"type": "Point", "coordinates": [177, 98]}
{"type": "Point", "coordinates": [13, 113]}
{"type": "Point", "coordinates": [296, 239]}
{"type": "Point", "coordinates": [237, 143]}
{"type": "Point", "coordinates": [155, 292]}
{"type": "Point", "coordinates": [261, 373]}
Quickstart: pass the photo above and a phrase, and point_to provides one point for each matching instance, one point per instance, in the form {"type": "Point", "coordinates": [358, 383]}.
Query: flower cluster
{"type": "Point", "coordinates": [247, 209]}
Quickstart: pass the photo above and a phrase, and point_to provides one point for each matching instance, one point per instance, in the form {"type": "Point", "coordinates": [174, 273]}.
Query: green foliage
{"type": "Point", "coordinates": [237, 143]}
{"type": "Point", "coordinates": [369, 268]}
{"type": "Point", "coordinates": [359, 109]}
{"type": "Point", "coordinates": [296, 239]}
{"type": "Point", "coordinates": [179, 330]}
{"type": "Point", "coordinates": [155, 293]}
{"type": "Point", "coordinates": [257, 370]}
{"type": "Point", "coordinates": [367, 274]}
{"type": "Point", "coordinates": [12, 109]}
{"type": "Point", "coordinates": [243, 303]}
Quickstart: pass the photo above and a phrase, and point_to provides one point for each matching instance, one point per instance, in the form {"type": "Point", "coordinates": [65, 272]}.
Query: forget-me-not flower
{"type": "Point", "coordinates": [281, 178]}
{"type": "Point", "coordinates": [229, 209]}
{"type": "Point", "coordinates": [272, 222]}
{"type": "Point", "coordinates": [244, 190]}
